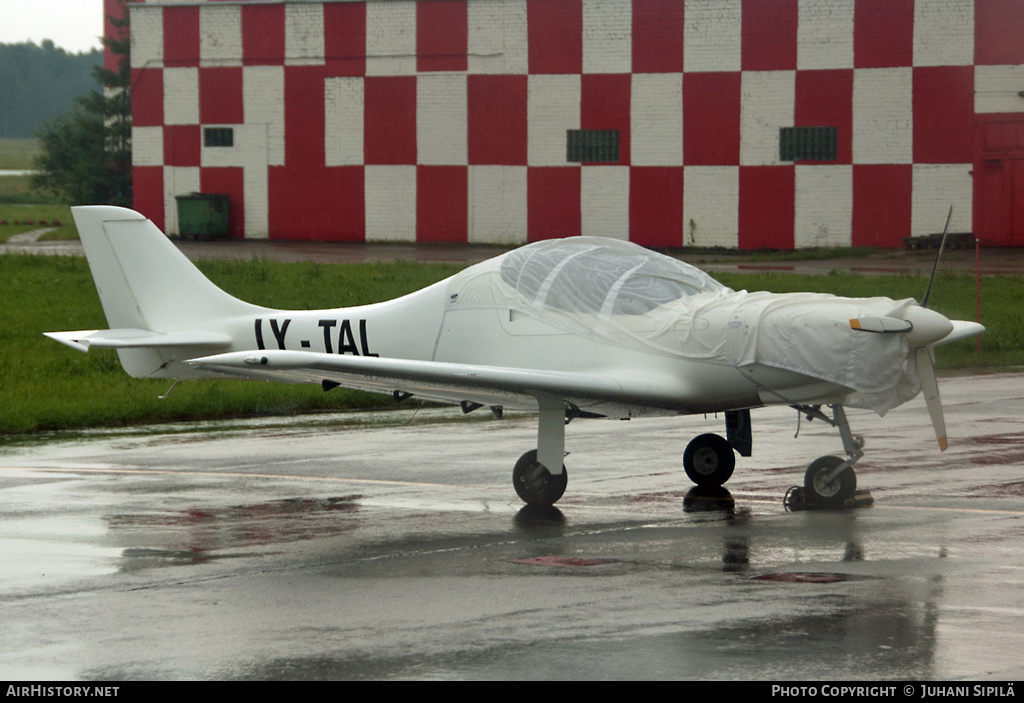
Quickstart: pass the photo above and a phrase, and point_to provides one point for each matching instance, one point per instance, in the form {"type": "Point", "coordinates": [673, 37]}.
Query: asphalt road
{"type": "Point", "coordinates": [392, 546]}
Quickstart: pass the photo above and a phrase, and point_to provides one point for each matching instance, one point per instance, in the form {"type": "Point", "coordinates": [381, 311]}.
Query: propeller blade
{"type": "Point", "coordinates": [881, 324]}
{"type": "Point", "coordinates": [930, 388]}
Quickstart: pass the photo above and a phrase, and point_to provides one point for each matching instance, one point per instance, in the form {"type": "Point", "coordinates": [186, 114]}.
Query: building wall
{"type": "Point", "coordinates": [447, 120]}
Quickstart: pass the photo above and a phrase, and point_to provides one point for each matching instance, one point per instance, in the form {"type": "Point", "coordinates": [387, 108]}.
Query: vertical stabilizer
{"type": "Point", "coordinates": [146, 284]}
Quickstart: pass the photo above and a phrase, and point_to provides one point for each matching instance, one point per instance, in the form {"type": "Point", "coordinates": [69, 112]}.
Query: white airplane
{"type": "Point", "coordinates": [577, 327]}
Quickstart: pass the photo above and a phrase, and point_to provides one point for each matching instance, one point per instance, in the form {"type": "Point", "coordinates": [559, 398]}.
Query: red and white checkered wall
{"type": "Point", "coordinates": [446, 120]}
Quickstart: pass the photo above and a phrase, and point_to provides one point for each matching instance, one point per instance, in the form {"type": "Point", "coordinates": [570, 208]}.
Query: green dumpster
{"type": "Point", "coordinates": [203, 215]}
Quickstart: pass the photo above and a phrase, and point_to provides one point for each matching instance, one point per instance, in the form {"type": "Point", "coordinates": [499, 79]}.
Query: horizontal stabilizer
{"type": "Point", "coordinates": [83, 340]}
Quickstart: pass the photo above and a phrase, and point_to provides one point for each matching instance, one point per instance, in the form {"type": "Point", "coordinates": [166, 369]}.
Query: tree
{"type": "Point", "coordinates": [86, 153]}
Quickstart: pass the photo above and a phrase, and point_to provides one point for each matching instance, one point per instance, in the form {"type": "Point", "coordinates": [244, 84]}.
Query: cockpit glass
{"type": "Point", "coordinates": [598, 275]}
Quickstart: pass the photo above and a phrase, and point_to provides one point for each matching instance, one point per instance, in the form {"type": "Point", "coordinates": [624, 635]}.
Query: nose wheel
{"type": "Point", "coordinates": [826, 484]}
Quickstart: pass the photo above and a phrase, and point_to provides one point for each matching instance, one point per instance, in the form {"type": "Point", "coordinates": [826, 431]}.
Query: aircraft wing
{"type": "Point", "coordinates": [450, 382]}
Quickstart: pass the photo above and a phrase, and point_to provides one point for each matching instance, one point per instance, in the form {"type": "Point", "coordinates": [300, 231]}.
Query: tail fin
{"type": "Point", "coordinates": [156, 301]}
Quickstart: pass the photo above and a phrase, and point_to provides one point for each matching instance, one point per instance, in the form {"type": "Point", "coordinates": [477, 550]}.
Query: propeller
{"type": "Point", "coordinates": [924, 329]}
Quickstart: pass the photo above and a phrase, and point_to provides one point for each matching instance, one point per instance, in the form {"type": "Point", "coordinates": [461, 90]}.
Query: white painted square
{"type": "Point", "coordinates": [823, 206]}
{"type": "Point", "coordinates": [441, 119]}
{"type": "Point", "coordinates": [607, 36]}
{"type": "Point", "coordinates": [712, 40]}
{"type": "Point", "coordinates": [344, 100]}
{"type": "Point", "coordinates": [766, 105]}
{"type": "Point", "coordinates": [390, 203]}
{"type": "Point", "coordinates": [497, 40]}
{"type": "Point", "coordinates": [181, 95]}
{"type": "Point", "coordinates": [391, 38]}
{"type": "Point", "coordinates": [711, 206]}
{"type": "Point", "coordinates": [147, 36]}
{"type": "Point", "coordinates": [303, 34]}
{"type": "Point", "coordinates": [604, 201]}
{"type": "Point", "coordinates": [553, 108]}
{"type": "Point", "coordinates": [883, 115]}
{"type": "Point", "coordinates": [997, 88]}
{"type": "Point", "coordinates": [147, 146]}
{"type": "Point", "coordinates": [263, 104]}
{"type": "Point", "coordinates": [936, 187]}
{"type": "Point", "coordinates": [656, 109]}
{"type": "Point", "coordinates": [497, 205]}
{"type": "Point", "coordinates": [220, 35]}
{"type": "Point", "coordinates": [825, 35]}
{"type": "Point", "coordinates": [943, 32]}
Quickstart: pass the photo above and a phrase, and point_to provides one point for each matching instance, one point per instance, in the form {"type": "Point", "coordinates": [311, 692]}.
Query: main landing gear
{"type": "Point", "coordinates": [534, 481]}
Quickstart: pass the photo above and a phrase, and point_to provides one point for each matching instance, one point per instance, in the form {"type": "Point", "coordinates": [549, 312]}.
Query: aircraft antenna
{"type": "Point", "coordinates": [935, 266]}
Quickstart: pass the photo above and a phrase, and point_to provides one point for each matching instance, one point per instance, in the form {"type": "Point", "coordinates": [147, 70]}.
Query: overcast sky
{"type": "Point", "coordinates": [74, 25]}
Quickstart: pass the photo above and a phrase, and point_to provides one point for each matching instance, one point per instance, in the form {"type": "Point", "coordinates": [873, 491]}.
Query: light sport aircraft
{"type": "Point", "coordinates": [577, 327]}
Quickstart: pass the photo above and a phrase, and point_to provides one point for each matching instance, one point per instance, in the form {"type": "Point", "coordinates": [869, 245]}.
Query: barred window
{"type": "Point", "coordinates": [593, 146]}
{"type": "Point", "coordinates": [808, 143]}
{"type": "Point", "coordinates": [218, 136]}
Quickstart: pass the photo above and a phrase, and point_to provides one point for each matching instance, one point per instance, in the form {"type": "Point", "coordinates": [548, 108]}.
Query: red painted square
{"type": "Point", "coordinates": [262, 34]}
{"type": "Point", "coordinates": [389, 120]}
{"type": "Point", "coordinates": [553, 202]}
{"type": "Point", "coordinates": [220, 95]}
{"type": "Point", "coordinates": [182, 145]}
{"type": "Point", "coordinates": [825, 99]}
{"type": "Point", "coordinates": [943, 114]}
{"type": "Point", "coordinates": [304, 115]}
{"type": "Point", "coordinates": [113, 10]}
{"type": "Point", "coordinates": [882, 199]}
{"type": "Point", "coordinates": [345, 38]}
{"type": "Point", "coordinates": [496, 107]}
{"type": "Point", "coordinates": [656, 206]}
{"type": "Point", "coordinates": [442, 204]}
{"type": "Point", "coordinates": [147, 97]}
{"type": "Point", "coordinates": [605, 104]}
{"type": "Point", "coordinates": [339, 214]}
{"type": "Point", "coordinates": [148, 192]}
{"type": "Point", "coordinates": [229, 180]}
{"type": "Point", "coordinates": [883, 33]}
{"type": "Point", "coordinates": [658, 27]}
{"type": "Point", "coordinates": [441, 35]}
{"type": "Point", "coordinates": [711, 119]}
{"type": "Point", "coordinates": [999, 32]}
{"type": "Point", "coordinates": [766, 217]}
{"type": "Point", "coordinates": [769, 35]}
{"type": "Point", "coordinates": [555, 35]}
{"type": "Point", "coordinates": [181, 36]}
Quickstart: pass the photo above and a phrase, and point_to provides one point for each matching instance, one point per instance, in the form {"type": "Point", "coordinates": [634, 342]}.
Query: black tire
{"type": "Point", "coordinates": [534, 484]}
{"type": "Point", "coordinates": [709, 460]}
{"type": "Point", "coordinates": [836, 492]}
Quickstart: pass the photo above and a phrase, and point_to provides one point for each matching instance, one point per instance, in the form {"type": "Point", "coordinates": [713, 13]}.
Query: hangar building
{"type": "Point", "coordinates": [734, 123]}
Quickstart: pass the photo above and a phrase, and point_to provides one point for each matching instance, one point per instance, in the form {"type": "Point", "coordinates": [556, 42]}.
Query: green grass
{"type": "Point", "coordinates": [11, 213]}
{"type": "Point", "coordinates": [18, 154]}
{"type": "Point", "coordinates": [45, 386]}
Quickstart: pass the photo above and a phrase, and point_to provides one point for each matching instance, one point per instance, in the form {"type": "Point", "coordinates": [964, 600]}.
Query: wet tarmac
{"type": "Point", "coordinates": [392, 546]}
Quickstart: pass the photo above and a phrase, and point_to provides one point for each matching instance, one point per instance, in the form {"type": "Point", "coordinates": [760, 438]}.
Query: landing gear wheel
{"type": "Point", "coordinates": [535, 484]}
{"type": "Point", "coordinates": [709, 460]}
{"type": "Point", "coordinates": [819, 491]}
